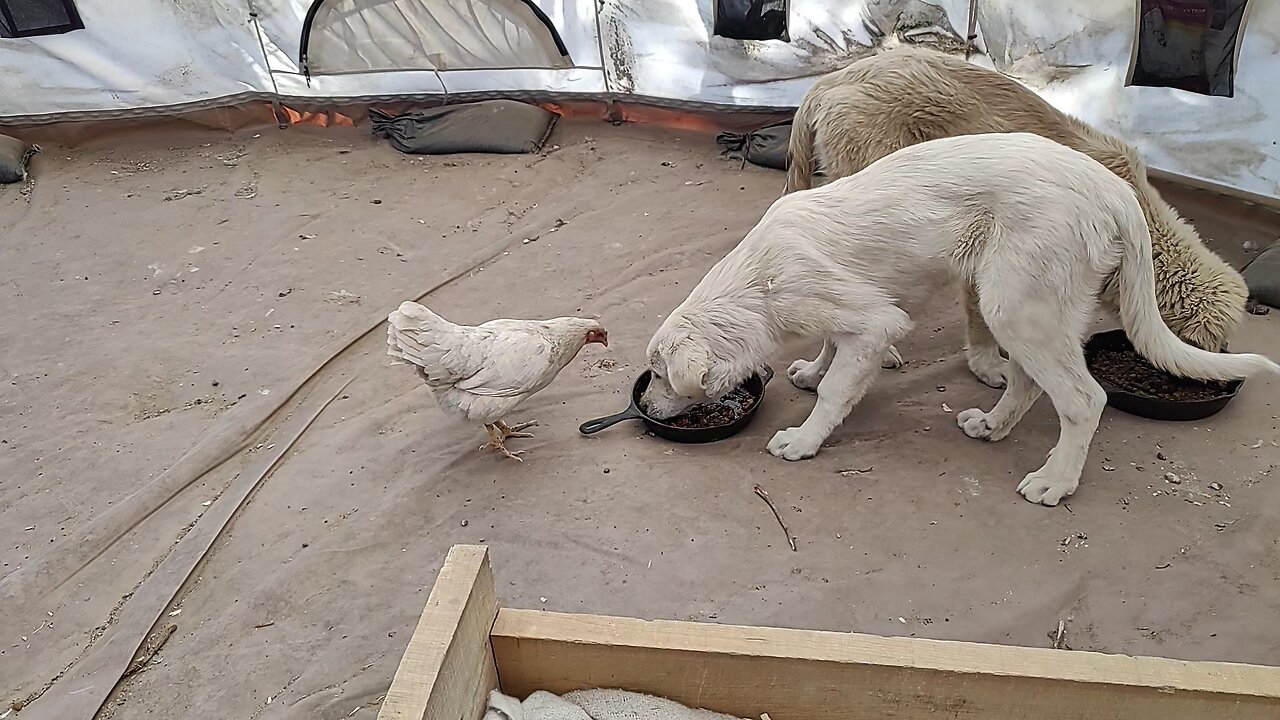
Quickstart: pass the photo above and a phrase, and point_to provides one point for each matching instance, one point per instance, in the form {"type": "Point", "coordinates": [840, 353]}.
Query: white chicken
{"type": "Point", "coordinates": [482, 373]}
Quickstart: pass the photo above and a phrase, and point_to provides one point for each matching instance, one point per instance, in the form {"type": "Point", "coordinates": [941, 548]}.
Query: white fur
{"type": "Point", "coordinates": [863, 112]}
{"type": "Point", "coordinates": [1032, 227]}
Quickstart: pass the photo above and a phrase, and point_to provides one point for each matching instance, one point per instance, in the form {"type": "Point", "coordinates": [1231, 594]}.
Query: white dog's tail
{"type": "Point", "coordinates": [800, 149]}
{"type": "Point", "coordinates": [1140, 315]}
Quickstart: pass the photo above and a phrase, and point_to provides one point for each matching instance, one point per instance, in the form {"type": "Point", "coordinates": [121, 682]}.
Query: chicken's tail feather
{"type": "Point", "coordinates": [413, 337]}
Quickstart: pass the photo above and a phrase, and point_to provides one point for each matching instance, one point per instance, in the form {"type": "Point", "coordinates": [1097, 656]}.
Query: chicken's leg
{"type": "Point", "coordinates": [496, 438]}
{"type": "Point", "coordinates": [513, 431]}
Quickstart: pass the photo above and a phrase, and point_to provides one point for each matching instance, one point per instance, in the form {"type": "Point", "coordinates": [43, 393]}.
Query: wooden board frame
{"type": "Point", "coordinates": [448, 670]}
{"type": "Point", "coordinates": [789, 674]}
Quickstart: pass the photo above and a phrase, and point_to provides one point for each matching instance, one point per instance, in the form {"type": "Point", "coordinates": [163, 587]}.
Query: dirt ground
{"type": "Point", "coordinates": [164, 291]}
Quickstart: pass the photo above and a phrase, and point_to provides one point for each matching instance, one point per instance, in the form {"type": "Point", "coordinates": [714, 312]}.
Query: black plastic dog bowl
{"type": "Point", "coordinates": [754, 386]}
{"type": "Point", "coordinates": [1150, 407]}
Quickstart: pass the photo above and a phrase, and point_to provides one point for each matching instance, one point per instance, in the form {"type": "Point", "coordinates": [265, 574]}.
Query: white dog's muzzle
{"type": "Point", "coordinates": [660, 401]}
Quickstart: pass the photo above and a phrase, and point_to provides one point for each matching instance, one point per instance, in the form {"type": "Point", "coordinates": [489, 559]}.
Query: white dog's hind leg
{"type": "Point", "coordinates": [1079, 400]}
{"type": "Point", "coordinates": [847, 379]}
{"type": "Point", "coordinates": [1054, 359]}
{"type": "Point", "coordinates": [981, 348]}
{"type": "Point", "coordinates": [1020, 394]}
{"type": "Point", "coordinates": [806, 374]}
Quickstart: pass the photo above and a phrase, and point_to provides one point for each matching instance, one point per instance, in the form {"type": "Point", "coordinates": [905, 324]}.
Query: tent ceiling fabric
{"type": "Point", "coordinates": [349, 36]}
{"type": "Point", "coordinates": [139, 57]}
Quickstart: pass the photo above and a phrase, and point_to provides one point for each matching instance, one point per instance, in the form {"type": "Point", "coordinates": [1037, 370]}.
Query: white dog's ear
{"type": "Point", "coordinates": [687, 367]}
{"type": "Point", "coordinates": [716, 383]}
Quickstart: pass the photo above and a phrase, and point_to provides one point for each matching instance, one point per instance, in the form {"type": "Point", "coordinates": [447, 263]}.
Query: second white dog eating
{"type": "Point", "coordinates": [1034, 227]}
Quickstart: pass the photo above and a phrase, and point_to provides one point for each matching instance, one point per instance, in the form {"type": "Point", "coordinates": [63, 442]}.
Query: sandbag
{"type": "Point", "coordinates": [14, 154]}
{"type": "Point", "coordinates": [766, 146]}
{"type": "Point", "coordinates": [601, 704]}
{"type": "Point", "coordinates": [1262, 275]}
{"type": "Point", "coordinates": [751, 19]}
{"type": "Point", "coordinates": [490, 126]}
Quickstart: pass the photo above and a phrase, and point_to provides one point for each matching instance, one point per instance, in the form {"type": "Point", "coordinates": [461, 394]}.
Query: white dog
{"type": "Point", "coordinates": [1033, 227]}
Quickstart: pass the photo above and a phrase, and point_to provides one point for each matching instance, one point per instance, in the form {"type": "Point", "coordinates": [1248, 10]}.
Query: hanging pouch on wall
{"type": "Point", "coordinates": [752, 19]}
{"type": "Point", "coordinates": [1189, 45]}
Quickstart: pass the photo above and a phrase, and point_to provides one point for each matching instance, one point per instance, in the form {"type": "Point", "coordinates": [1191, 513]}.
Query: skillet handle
{"type": "Point", "coordinates": [766, 374]}
{"type": "Point", "coordinates": [595, 426]}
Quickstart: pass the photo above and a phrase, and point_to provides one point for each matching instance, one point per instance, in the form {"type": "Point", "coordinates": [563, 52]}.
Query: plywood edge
{"type": "Point", "coordinates": [1216, 188]}
{"type": "Point", "coordinates": [959, 658]}
{"type": "Point", "coordinates": [448, 670]}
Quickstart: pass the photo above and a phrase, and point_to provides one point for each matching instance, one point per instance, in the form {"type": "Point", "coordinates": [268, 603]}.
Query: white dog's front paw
{"type": "Point", "coordinates": [805, 374]}
{"type": "Point", "coordinates": [989, 368]}
{"type": "Point", "coordinates": [1041, 487]}
{"type": "Point", "coordinates": [974, 423]}
{"type": "Point", "coordinates": [793, 444]}
{"type": "Point", "coordinates": [892, 359]}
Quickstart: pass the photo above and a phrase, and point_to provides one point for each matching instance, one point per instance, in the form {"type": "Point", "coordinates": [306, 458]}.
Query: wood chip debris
{"type": "Point", "coordinates": [854, 471]}
{"type": "Point", "coordinates": [1060, 636]}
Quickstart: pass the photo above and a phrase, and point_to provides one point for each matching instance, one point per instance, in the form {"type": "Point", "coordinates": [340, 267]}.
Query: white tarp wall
{"type": "Point", "coordinates": [138, 57]}
{"type": "Point", "coordinates": [1077, 54]}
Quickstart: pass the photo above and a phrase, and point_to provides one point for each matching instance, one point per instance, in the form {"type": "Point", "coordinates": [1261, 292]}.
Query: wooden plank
{"type": "Point", "coordinates": [448, 669]}
{"type": "Point", "coordinates": [807, 675]}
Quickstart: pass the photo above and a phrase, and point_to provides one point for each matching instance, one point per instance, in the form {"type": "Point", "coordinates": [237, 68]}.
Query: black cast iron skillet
{"type": "Point", "coordinates": [1149, 407]}
{"type": "Point", "coordinates": [754, 385]}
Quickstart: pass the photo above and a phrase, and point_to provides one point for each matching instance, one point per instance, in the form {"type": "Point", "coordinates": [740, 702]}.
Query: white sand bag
{"type": "Point", "coordinates": [593, 705]}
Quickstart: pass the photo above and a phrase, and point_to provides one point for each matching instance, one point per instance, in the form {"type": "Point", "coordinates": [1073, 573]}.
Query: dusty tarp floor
{"type": "Point", "coordinates": [162, 288]}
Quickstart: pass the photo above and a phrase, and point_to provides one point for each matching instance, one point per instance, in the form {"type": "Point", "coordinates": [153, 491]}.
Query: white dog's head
{"type": "Point", "coordinates": [687, 367]}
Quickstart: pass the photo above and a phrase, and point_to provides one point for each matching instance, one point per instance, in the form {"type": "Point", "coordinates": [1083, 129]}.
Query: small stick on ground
{"type": "Point", "coordinates": [1060, 637]}
{"type": "Point", "coordinates": [765, 496]}
{"type": "Point", "coordinates": [149, 649]}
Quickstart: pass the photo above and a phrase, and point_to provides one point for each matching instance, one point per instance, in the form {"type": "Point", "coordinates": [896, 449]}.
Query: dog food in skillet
{"type": "Point", "coordinates": [1128, 370]}
{"type": "Point", "coordinates": [714, 414]}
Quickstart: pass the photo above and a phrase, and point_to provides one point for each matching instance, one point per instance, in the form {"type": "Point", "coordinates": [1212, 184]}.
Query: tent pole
{"type": "Point", "coordinates": [972, 33]}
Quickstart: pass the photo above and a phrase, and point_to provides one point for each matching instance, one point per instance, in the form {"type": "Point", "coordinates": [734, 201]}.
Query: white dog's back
{"type": "Point", "coordinates": [939, 206]}
{"type": "Point", "coordinates": [937, 199]}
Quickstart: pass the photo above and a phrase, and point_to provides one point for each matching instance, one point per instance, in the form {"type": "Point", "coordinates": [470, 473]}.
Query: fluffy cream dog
{"type": "Point", "coordinates": [861, 113]}
{"type": "Point", "coordinates": [1034, 226]}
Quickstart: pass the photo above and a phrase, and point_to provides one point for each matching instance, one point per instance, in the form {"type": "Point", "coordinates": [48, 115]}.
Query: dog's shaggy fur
{"type": "Point", "coordinates": [857, 115]}
{"type": "Point", "coordinates": [1035, 227]}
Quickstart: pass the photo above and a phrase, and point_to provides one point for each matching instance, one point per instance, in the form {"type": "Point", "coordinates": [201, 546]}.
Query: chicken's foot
{"type": "Point", "coordinates": [496, 438]}
{"type": "Point", "coordinates": [514, 431]}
